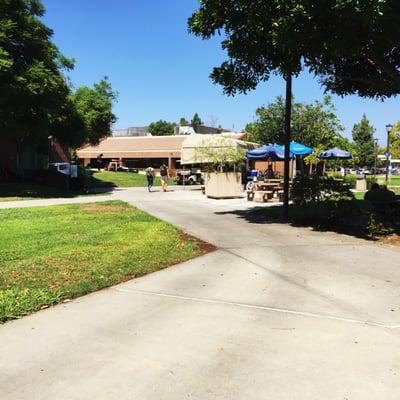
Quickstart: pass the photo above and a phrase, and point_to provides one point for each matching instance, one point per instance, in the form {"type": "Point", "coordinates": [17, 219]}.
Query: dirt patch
{"type": "Point", "coordinates": [204, 247]}
{"type": "Point", "coordinates": [93, 207]}
{"type": "Point", "coordinates": [392, 240]}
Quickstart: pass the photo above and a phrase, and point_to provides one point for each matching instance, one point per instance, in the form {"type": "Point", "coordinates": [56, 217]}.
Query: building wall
{"type": "Point", "coordinates": [277, 166]}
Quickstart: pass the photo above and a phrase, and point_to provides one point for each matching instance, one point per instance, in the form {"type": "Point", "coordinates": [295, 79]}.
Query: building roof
{"type": "Point", "coordinates": [135, 147]}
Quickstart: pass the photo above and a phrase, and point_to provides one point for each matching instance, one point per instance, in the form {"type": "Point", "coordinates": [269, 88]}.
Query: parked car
{"type": "Point", "coordinates": [363, 171]}
{"type": "Point", "coordinates": [395, 171]}
{"type": "Point", "coordinates": [116, 166]}
{"type": "Point", "coordinates": [62, 167]}
{"type": "Point", "coordinates": [189, 177]}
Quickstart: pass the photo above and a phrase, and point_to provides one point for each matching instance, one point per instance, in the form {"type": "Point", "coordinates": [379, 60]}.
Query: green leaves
{"type": "Point", "coordinates": [94, 106]}
{"type": "Point", "coordinates": [162, 128]}
{"type": "Point", "coordinates": [315, 125]}
{"type": "Point", "coordinates": [351, 45]}
{"type": "Point", "coordinates": [36, 99]}
{"type": "Point", "coordinates": [363, 136]}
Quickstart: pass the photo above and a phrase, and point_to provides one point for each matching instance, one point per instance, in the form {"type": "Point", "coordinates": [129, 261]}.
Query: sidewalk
{"type": "Point", "coordinates": [276, 312]}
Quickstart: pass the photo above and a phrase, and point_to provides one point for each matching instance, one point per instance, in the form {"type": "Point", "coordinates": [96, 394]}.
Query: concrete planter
{"type": "Point", "coordinates": [223, 185]}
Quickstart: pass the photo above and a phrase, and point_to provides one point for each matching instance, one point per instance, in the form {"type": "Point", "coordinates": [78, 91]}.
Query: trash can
{"type": "Point", "coordinates": [361, 183]}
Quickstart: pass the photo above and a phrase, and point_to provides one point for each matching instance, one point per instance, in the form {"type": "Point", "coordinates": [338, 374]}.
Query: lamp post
{"type": "Point", "coordinates": [376, 155]}
{"type": "Point", "coordinates": [389, 128]}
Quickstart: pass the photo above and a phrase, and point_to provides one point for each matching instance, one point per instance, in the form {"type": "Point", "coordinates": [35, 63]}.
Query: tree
{"type": "Point", "coordinates": [162, 128]}
{"type": "Point", "coordinates": [314, 125]}
{"type": "Point", "coordinates": [196, 120]}
{"type": "Point", "coordinates": [36, 99]}
{"type": "Point", "coordinates": [363, 137]}
{"type": "Point", "coordinates": [394, 141]}
{"type": "Point", "coordinates": [183, 122]}
{"type": "Point", "coordinates": [86, 116]}
{"type": "Point", "coordinates": [33, 89]}
{"type": "Point", "coordinates": [94, 105]}
{"type": "Point", "coordinates": [283, 37]}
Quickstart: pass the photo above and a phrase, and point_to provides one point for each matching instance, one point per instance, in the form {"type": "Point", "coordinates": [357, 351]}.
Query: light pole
{"type": "Point", "coordinates": [389, 128]}
{"type": "Point", "coordinates": [376, 155]}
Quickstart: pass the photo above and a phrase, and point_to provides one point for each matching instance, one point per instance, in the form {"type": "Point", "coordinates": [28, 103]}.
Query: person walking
{"type": "Point", "coordinates": [150, 177]}
{"type": "Point", "coordinates": [164, 177]}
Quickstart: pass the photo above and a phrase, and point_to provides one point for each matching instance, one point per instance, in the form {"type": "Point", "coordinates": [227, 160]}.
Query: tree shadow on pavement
{"type": "Point", "coordinates": [359, 225]}
{"type": "Point", "coordinates": [27, 190]}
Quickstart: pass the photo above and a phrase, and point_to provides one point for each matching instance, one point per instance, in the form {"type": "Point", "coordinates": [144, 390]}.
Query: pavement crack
{"type": "Point", "coordinates": [310, 290]}
{"type": "Point", "coordinates": [262, 308]}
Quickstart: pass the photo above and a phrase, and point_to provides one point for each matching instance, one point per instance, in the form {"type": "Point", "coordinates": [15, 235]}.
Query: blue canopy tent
{"type": "Point", "coordinates": [299, 149]}
{"type": "Point", "coordinates": [267, 152]}
{"type": "Point", "coordinates": [277, 152]}
{"type": "Point", "coordinates": [334, 154]}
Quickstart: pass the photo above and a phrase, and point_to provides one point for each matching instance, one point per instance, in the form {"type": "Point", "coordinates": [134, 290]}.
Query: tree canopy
{"type": "Point", "coordinates": [36, 98]}
{"type": "Point", "coordinates": [352, 46]}
{"type": "Point", "coordinates": [264, 37]}
{"type": "Point", "coordinates": [314, 125]}
{"type": "Point", "coordinates": [363, 136]}
{"type": "Point", "coordinates": [162, 128]}
{"type": "Point", "coordinates": [196, 120]}
{"type": "Point", "coordinates": [32, 86]}
{"type": "Point", "coordinates": [183, 122]}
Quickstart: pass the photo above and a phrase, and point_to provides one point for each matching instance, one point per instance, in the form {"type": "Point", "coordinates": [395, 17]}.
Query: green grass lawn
{"type": "Point", "coordinates": [49, 254]}
{"type": "Point", "coordinates": [122, 179]}
{"type": "Point", "coordinates": [393, 181]}
{"type": "Point", "coordinates": [15, 191]}
{"type": "Point", "coordinates": [360, 195]}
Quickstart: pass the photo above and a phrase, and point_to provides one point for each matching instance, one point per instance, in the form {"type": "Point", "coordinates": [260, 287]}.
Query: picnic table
{"type": "Point", "coordinates": [264, 191]}
{"type": "Point", "coordinates": [266, 180]}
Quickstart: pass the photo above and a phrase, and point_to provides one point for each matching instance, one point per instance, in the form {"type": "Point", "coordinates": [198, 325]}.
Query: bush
{"type": "Point", "coordinates": [305, 189]}
{"type": "Point", "coordinates": [314, 189]}
{"type": "Point", "coordinates": [370, 181]}
{"type": "Point", "coordinates": [351, 180]}
{"type": "Point", "coordinates": [378, 226]}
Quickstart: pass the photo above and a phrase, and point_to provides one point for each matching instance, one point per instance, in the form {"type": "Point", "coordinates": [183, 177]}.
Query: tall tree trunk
{"type": "Point", "coordinates": [288, 117]}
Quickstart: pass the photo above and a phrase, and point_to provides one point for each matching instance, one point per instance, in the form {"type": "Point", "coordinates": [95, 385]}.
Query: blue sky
{"type": "Point", "coordinates": [161, 72]}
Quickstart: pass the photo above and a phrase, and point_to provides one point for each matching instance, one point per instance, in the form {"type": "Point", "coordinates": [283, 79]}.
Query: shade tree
{"type": "Point", "coordinates": [285, 36]}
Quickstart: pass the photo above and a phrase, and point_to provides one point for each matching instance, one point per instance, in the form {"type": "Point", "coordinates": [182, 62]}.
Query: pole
{"type": "Point", "coordinates": [387, 153]}
{"type": "Point", "coordinates": [376, 155]}
{"type": "Point", "coordinates": [288, 116]}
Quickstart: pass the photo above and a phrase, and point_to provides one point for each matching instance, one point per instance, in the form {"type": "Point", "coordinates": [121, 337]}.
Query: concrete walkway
{"type": "Point", "coordinates": [276, 313]}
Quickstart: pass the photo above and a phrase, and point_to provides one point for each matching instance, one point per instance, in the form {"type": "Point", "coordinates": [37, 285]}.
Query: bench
{"type": "Point", "coordinates": [263, 196]}
{"type": "Point", "coordinates": [280, 195]}
{"type": "Point", "coordinates": [250, 195]}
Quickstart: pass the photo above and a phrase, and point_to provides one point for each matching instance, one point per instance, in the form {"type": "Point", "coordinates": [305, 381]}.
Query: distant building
{"type": "Point", "coordinates": [24, 160]}
{"type": "Point", "coordinates": [133, 131]}
{"type": "Point", "coordinates": [136, 152]}
{"type": "Point", "coordinates": [200, 129]}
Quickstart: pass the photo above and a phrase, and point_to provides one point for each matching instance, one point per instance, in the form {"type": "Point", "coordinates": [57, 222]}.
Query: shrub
{"type": "Point", "coordinates": [313, 189]}
{"type": "Point", "coordinates": [377, 226]}
{"type": "Point", "coordinates": [351, 180]}
{"type": "Point", "coordinates": [370, 181]}
{"type": "Point", "coordinates": [305, 189]}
